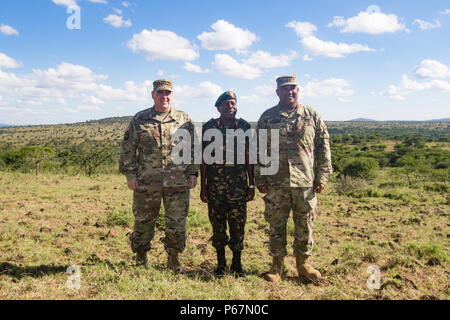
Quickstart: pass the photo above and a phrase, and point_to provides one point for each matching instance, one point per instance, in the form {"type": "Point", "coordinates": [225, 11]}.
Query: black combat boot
{"type": "Point", "coordinates": [236, 265]}
{"type": "Point", "coordinates": [141, 258]}
{"type": "Point", "coordinates": [221, 263]}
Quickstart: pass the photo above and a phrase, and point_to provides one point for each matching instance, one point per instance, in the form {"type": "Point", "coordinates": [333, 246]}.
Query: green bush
{"type": "Point", "coordinates": [365, 168]}
{"type": "Point", "coordinates": [367, 192]}
{"type": "Point", "coordinates": [395, 195]}
{"type": "Point", "coordinates": [392, 184]}
{"type": "Point", "coordinates": [197, 219]}
{"type": "Point", "coordinates": [428, 250]}
{"type": "Point", "coordinates": [345, 184]}
{"type": "Point", "coordinates": [437, 187]}
{"type": "Point", "coordinates": [122, 218]}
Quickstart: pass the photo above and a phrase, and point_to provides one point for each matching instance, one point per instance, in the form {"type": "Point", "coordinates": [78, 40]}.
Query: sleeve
{"type": "Point", "coordinates": [193, 167]}
{"type": "Point", "coordinates": [128, 147]}
{"type": "Point", "coordinates": [259, 179]}
{"type": "Point", "coordinates": [322, 154]}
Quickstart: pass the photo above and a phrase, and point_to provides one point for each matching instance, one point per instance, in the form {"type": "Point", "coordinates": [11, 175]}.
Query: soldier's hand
{"type": "Point", "coordinates": [132, 184]}
{"type": "Point", "coordinates": [204, 195]}
{"type": "Point", "coordinates": [262, 188]}
{"type": "Point", "coordinates": [192, 182]}
{"type": "Point", "coordinates": [250, 194]}
{"type": "Point", "coordinates": [318, 187]}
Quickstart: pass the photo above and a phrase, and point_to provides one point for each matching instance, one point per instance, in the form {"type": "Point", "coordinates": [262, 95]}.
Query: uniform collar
{"type": "Point", "coordinates": [220, 126]}
{"type": "Point", "coordinates": [153, 113]}
{"type": "Point", "coordinates": [299, 109]}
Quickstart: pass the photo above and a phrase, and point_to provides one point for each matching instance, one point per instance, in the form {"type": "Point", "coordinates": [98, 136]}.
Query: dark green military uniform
{"type": "Point", "coordinates": [227, 189]}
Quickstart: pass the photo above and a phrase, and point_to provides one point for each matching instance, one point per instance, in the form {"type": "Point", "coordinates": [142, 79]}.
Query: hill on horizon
{"type": "Point", "coordinates": [126, 119]}
{"type": "Point", "coordinates": [360, 119]}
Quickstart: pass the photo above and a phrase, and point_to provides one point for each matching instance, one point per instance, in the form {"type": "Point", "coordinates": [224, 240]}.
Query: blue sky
{"type": "Point", "coordinates": [385, 60]}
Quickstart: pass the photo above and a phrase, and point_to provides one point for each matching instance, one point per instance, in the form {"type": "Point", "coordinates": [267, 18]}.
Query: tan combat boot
{"type": "Point", "coordinates": [173, 263]}
{"type": "Point", "coordinates": [306, 270]}
{"type": "Point", "coordinates": [141, 258]}
{"type": "Point", "coordinates": [274, 274]}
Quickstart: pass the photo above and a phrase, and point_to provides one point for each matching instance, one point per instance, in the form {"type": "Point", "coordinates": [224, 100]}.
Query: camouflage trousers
{"type": "Point", "coordinates": [227, 206]}
{"type": "Point", "coordinates": [146, 206]}
{"type": "Point", "coordinates": [278, 204]}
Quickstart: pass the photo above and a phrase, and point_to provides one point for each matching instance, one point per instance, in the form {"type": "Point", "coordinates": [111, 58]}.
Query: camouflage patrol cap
{"type": "Point", "coordinates": [162, 84]}
{"type": "Point", "coordinates": [227, 95]}
{"type": "Point", "coordinates": [288, 80]}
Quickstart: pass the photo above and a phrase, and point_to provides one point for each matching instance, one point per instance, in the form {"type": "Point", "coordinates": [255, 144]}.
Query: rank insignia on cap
{"type": "Point", "coordinates": [227, 95]}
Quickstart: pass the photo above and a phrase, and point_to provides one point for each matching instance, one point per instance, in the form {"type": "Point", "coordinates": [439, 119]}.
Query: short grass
{"type": "Point", "coordinates": [49, 222]}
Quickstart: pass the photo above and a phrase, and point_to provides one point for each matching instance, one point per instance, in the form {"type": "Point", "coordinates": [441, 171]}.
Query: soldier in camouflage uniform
{"type": "Point", "coordinates": [224, 187]}
{"type": "Point", "coordinates": [304, 168]}
{"type": "Point", "coordinates": [153, 176]}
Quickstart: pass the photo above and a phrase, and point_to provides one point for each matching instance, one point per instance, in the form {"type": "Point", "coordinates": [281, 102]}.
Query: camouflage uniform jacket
{"type": "Point", "coordinates": [151, 137]}
{"type": "Point", "coordinates": [305, 155]}
{"type": "Point", "coordinates": [216, 173]}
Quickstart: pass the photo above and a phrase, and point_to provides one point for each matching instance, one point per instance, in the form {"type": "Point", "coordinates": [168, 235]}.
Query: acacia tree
{"type": "Point", "coordinates": [36, 155]}
{"type": "Point", "coordinates": [91, 154]}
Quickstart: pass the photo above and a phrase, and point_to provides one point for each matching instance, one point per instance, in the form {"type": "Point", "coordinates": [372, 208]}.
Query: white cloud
{"type": "Point", "coordinates": [316, 47]}
{"type": "Point", "coordinates": [369, 22]}
{"type": "Point", "coordinates": [328, 87]}
{"type": "Point", "coordinates": [226, 37]}
{"type": "Point", "coordinates": [67, 82]}
{"type": "Point", "coordinates": [8, 30]}
{"type": "Point", "coordinates": [302, 29]}
{"type": "Point", "coordinates": [408, 86]}
{"type": "Point", "coordinates": [195, 68]}
{"type": "Point", "coordinates": [230, 67]}
{"type": "Point", "coordinates": [263, 94]}
{"type": "Point", "coordinates": [205, 90]}
{"type": "Point", "coordinates": [92, 100]}
{"type": "Point", "coordinates": [87, 107]}
{"type": "Point", "coordinates": [265, 60]}
{"type": "Point", "coordinates": [446, 11]}
{"type": "Point", "coordinates": [7, 62]}
{"type": "Point", "coordinates": [126, 4]}
{"type": "Point", "coordinates": [74, 3]}
{"type": "Point", "coordinates": [432, 69]}
{"type": "Point", "coordinates": [161, 44]}
{"type": "Point", "coordinates": [266, 90]}
{"type": "Point", "coordinates": [425, 25]}
{"type": "Point", "coordinates": [117, 21]}
{"type": "Point", "coordinates": [118, 11]}
{"type": "Point", "coordinates": [66, 75]}
{"type": "Point", "coordinates": [67, 3]}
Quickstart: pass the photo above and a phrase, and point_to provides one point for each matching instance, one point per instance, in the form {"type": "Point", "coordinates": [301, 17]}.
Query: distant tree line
{"type": "Point", "coordinates": [89, 157]}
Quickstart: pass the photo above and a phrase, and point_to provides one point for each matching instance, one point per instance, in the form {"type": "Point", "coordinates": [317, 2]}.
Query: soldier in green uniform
{"type": "Point", "coordinates": [146, 160]}
{"type": "Point", "coordinates": [304, 169]}
{"type": "Point", "coordinates": [225, 188]}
